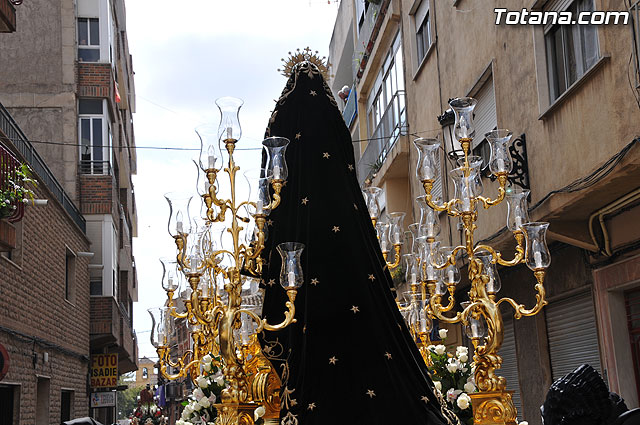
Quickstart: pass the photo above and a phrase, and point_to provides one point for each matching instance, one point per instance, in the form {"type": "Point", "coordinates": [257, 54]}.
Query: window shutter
{"type": "Point", "coordinates": [421, 13]}
{"type": "Point", "coordinates": [485, 118]}
{"type": "Point", "coordinates": [573, 335]}
{"type": "Point", "coordinates": [510, 362]}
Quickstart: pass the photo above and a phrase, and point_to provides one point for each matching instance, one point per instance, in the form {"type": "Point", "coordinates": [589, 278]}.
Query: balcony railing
{"type": "Point", "coordinates": [364, 35]}
{"type": "Point", "coordinates": [9, 127]}
{"type": "Point", "coordinates": [351, 108]}
{"type": "Point", "coordinates": [102, 168]}
{"type": "Point", "coordinates": [391, 126]}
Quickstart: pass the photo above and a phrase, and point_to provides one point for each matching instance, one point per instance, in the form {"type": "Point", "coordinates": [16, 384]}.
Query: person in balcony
{"type": "Point", "coordinates": [349, 358]}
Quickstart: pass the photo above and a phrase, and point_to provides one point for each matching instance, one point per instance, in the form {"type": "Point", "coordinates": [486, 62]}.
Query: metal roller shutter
{"type": "Point", "coordinates": [485, 118]}
{"type": "Point", "coordinates": [510, 362]}
{"type": "Point", "coordinates": [573, 334]}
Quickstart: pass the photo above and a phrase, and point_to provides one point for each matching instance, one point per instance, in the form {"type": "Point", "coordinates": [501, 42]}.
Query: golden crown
{"type": "Point", "coordinates": [305, 54]}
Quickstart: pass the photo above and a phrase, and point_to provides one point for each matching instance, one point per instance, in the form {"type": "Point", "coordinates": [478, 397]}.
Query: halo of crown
{"type": "Point", "coordinates": [305, 54]}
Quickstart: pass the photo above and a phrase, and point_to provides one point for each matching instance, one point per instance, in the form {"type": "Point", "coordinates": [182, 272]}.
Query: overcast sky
{"type": "Point", "coordinates": [185, 55]}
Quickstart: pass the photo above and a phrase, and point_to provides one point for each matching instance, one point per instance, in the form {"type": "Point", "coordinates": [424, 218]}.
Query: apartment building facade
{"type": "Point", "coordinates": [67, 80]}
{"type": "Point", "coordinates": [569, 94]}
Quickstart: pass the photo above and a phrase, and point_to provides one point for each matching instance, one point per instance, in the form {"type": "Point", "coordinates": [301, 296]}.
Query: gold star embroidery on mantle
{"type": "Point", "coordinates": [271, 282]}
{"type": "Point", "coordinates": [355, 206]}
{"type": "Point", "coordinates": [333, 360]}
{"type": "Point", "coordinates": [335, 229]}
{"type": "Point", "coordinates": [269, 222]}
{"type": "Point", "coordinates": [313, 93]}
{"type": "Point", "coordinates": [298, 135]}
{"type": "Point", "coordinates": [388, 355]}
{"type": "Point", "coordinates": [350, 167]}
{"type": "Point", "coordinates": [371, 393]}
{"type": "Point", "coordinates": [371, 277]}
{"type": "Point", "coordinates": [425, 399]}
{"type": "Point", "coordinates": [314, 281]}
{"type": "Point", "coordinates": [305, 200]}
{"type": "Point", "coordinates": [311, 406]}
{"type": "Point", "coordinates": [326, 155]}
{"type": "Point", "coordinates": [355, 309]}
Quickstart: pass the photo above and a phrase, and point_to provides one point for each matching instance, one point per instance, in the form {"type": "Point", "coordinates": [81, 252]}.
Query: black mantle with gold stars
{"type": "Point", "coordinates": [349, 359]}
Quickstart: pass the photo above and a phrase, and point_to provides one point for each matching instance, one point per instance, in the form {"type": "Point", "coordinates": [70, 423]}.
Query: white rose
{"type": "Point", "coordinates": [202, 382]}
{"type": "Point", "coordinates": [212, 398]}
{"type": "Point", "coordinates": [204, 402]}
{"type": "Point", "coordinates": [207, 359]}
{"type": "Point", "coordinates": [440, 349]}
{"type": "Point", "coordinates": [185, 414]}
{"type": "Point", "coordinates": [469, 387]}
{"type": "Point", "coordinates": [188, 409]}
{"type": "Point", "coordinates": [259, 412]}
{"type": "Point", "coordinates": [463, 358]}
{"type": "Point", "coordinates": [198, 394]}
{"type": "Point", "coordinates": [219, 380]}
{"type": "Point", "coordinates": [524, 423]}
{"type": "Point", "coordinates": [197, 407]}
{"type": "Point", "coordinates": [463, 401]}
{"type": "Point", "coordinates": [438, 385]}
{"type": "Point", "coordinates": [443, 333]}
{"type": "Point", "coordinates": [462, 350]}
{"type": "Point", "coordinates": [207, 367]}
{"type": "Point", "coordinates": [452, 366]}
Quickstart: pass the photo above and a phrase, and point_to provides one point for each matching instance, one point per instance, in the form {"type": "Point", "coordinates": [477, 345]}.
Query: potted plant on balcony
{"type": "Point", "coordinates": [14, 186]}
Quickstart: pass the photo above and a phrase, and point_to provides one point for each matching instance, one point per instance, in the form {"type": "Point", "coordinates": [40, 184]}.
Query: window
{"type": "Point", "coordinates": [422, 22]}
{"type": "Point", "coordinates": [88, 39]}
{"type": "Point", "coordinates": [386, 103]}
{"type": "Point", "coordinates": [9, 404]}
{"type": "Point", "coordinates": [92, 129]}
{"type": "Point", "coordinates": [70, 276]}
{"type": "Point", "coordinates": [42, 401]}
{"type": "Point", "coordinates": [66, 405]}
{"type": "Point", "coordinates": [485, 117]}
{"type": "Point", "coordinates": [570, 49]}
{"type": "Point", "coordinates": [145, 373]}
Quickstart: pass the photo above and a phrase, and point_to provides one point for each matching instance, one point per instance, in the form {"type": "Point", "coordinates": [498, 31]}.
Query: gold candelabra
{"type": "Point", "coordinates": [481, 315]}
{"type": "Point", "coordinates": [223, 316]}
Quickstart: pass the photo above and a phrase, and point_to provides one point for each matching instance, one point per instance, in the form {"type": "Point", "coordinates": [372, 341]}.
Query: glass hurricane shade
{"type": "Point", "coordinates": [517, 209]}
{"type": "Point", "coordinates": [475, 325]}
{"type": "Point", "coordinates": [229, 128]}
{"type": "Point", "coordinates": [463, 110]}
{"type": "Point", "coordinates": [490, 270]}
{"type": "Point", "coordinates": [291, 276]}
{"type": "Point", "coordinates": [382, 231]}
{"type": "Point", "coordinates": [429, 258]}
{"type": "Point", "coordinates": [210, 153]}
{"type": "Point", "coordinates": [170, 274]}
{"type": "Point", "coordinates": [428, 166]}
{"type": "Point", "coordinates": [371, 198]}
{"type": "Point", "coordinates": [276, 151]}
{"type": "Point", "coordinates": [450, 274]}
{"type": "Point", "coordinates": [179, 219]}
{"type": "Point", "coordinates": [429, 220]}
{"type": "Point", "coordinates": [467, 187]}
{"type": "Point", "coordinates": [475, 162]}
{"type": "Point", "coordinates": [537, 254]}
{"type": "Point", "coordinates": [500, 161]}
{"type": "Point", "coordinates": [411, 268]}
{"type": "Point", "coordinates": [162, 326]}
{"type": "Point", "coordinates": [396, 232]}
{"type": "Point", "coordinates": [259, 180]}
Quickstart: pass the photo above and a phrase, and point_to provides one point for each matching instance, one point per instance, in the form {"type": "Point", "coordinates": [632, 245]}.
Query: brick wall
{"type": "Point", "coordinates": [98, 195]}
{"type": "Point", "coordinates": [94, 80]}
{"type": "Point", "coordinates": [36, 317]}
{"type": "Point", "coordinates": [105, 320]}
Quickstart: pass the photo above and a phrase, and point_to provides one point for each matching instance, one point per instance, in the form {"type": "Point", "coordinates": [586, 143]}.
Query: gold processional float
{"type": "Point", "coordinates": [222, 302]}
{"type": "Point", "coordinates": [431, 270]}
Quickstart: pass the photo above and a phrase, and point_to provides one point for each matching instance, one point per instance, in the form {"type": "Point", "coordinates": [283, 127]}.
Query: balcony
{"type": "Point", "coordinates": [110, 328]}
{"type": "Point", "coordinates": [392, 125]}
{"type": "Point", "coordinates": [351, 108]}
{"type": "Point", "coordinates": [364, 44]}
